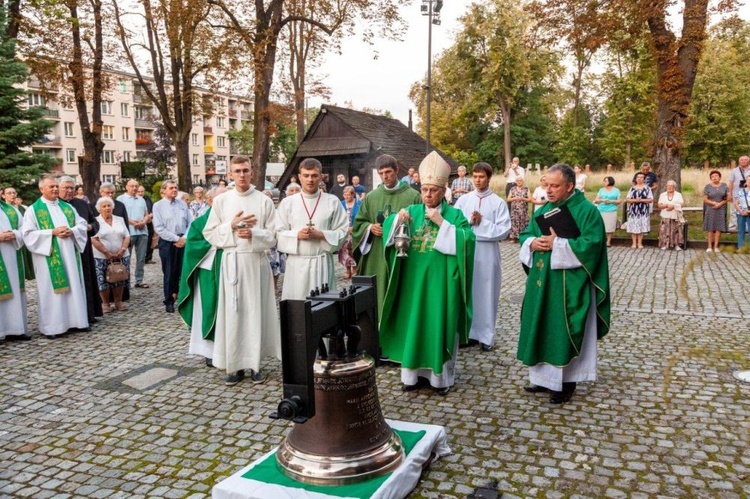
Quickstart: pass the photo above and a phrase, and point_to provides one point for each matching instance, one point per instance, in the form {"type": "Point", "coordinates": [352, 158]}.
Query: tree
{"type": "Point", "coordinates": [258, 27]}
{"type": "Point", "coordinates": [181, 45]}
{"type": "Point", "coordinates": [485, 77]}
{"type": "Point", "coordinates": [19, 127]}
{"type": "Point", "coordinates": [630, 103]}
{"type": "Point", "coordinates": [160, 157]}
{"type": "Point", "coordinates": [721, 98]}
{"type": "Point", "coordinates": [63, 44]}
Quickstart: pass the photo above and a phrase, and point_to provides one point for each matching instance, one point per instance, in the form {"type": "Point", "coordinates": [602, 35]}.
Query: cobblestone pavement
{"type": "Point", "coordinates": [665, 419]}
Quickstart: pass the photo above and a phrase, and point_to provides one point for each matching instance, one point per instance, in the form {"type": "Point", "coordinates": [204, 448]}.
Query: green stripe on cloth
{"type": "Point", "coordinates": [269, 471]}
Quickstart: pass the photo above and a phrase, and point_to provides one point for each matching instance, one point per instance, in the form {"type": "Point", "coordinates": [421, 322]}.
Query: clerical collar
{"type": "Point", "coordinates": [483, 193]}
{"type": "Point", "coordinates": [311, 196]}
{"type": "Point", "coordinates": [50, 201]}
{"type": "Point", "coordinates": [398, 184]}
{"type": "Point", "coordinates": [247, 192]}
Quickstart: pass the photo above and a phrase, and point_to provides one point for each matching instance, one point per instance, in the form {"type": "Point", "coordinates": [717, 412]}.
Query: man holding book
{"type": "Point", "coordinates": [566, 306]}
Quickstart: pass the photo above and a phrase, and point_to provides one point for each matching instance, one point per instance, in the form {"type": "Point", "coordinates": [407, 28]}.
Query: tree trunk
{"type": "Point", "coordinates": [13, 19]}
{"type": "Point", "coordinates": [182, 151]}
{"type": "Point", "coordinates": [264, 59]}
{"type": "Point", "coordinates": [505, 110]}
{"type": "Point", "coordinates": [676, 68]}
{"type": "Point", "coordinates": [91, 131]}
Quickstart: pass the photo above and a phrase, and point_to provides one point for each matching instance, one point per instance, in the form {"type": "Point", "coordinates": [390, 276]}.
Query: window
{"type": "Point", "coordinates": [123, 87]}
{"type": "Point", "coordinates": [108, 132]}
{"type": "Point", "coordinates": [142, 113]}
{"type": "Point", "coordinates": [194, 139]}
{"type": "Point", "coordinates": [126, 155]}
{"type": "Point", "coordinates": [69, 129]}
{"type": "Point", "coordinates": [196, 179]}
{"type": "Point", "coordinates": [124, 108]}
{"type": "Point", "coordinates": [106, 107]}
{"type": "Point", "coordinates": [196, 159]}
{"type": "Point", "coordinates": [108, 157]}
{"type": "Point", "coordinates": [70, 156]}
{"type": "Point", "coordinates": [125, 133]}
{"type": "Point", "coordinates": [221, 142]}
{"type": "Point", "coordinates": [109, 178]}
{"type": "Point", "coordinates": [221, 122]}
{"type": "Point", "coordinates": [36, 100]}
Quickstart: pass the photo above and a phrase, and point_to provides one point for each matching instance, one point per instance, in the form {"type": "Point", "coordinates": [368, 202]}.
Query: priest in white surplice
{"type": "Point", "coordinates": [13, 325]}
{"type": "Point", "coordinates": [490, 221]}
{"type": "Point", "coordinates": [241, 223]}
{"type": "Point", "coordinates": [56, 236]}
{"type": "Point", "coordinates": [311, 225]}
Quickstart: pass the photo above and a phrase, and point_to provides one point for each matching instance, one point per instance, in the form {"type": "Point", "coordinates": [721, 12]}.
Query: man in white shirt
{"type": "Point", "coordinates": [513, 171]}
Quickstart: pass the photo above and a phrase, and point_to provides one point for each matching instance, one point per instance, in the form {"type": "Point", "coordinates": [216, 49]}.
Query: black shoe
{"type": "Point", "coordinates": [54, 336]}
{"type": "Point", "coordinates": [209, 363]}
{"type": "Point", "coordinates": [535, 389]}
{"type": "Point", "coordinates": [443, 391]}
{"type": "Point", "coordinates": [170, 308]}
{"type": "Point", "coordinates": [258, 378]}
{"type": "Point", "coordinates": [235, 378]}
{"type": "Point", "coordinates": [18, 337]}
{"type": "Point", "coordinates": [421, 383]}
{"type": "Point", "coordinates": [486, 348]}
{"type": "Point", "coordinates": [565, 395]}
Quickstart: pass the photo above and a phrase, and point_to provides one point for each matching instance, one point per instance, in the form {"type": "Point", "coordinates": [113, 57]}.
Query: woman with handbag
{"type": "Point", "coordinates": [111, 255]}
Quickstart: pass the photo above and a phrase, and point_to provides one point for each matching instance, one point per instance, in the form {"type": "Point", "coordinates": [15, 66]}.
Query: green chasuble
{"type": "Point", "coordinates": [428, 298]}
{"type": "Point", "coordinates": [556, 302]}
{"type": "Point", "coordinates": [196, 248]}
{"type": "Point", "coordinates": [381, 202]}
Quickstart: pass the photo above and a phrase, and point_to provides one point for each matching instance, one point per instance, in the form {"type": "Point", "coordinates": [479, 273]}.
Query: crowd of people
{"type": "Point", "coordinates": [222, 251]}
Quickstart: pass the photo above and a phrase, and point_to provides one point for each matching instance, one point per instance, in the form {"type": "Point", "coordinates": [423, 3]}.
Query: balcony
{"type": "Point", "coordinates": [234, 150]}
{"type": "Point", "coordinates": [246, 115]}
{"type": "Point", "coordinates": [145, 123]}
{"type": "Point", "coordinates": [232, 113]}
{"type": "Point", "coordinates": [208, 130]}
{"type": "Point", "coordinates": [51, 113]}
{"type": "Point", "coordinates": [143, 142]}
{"type": "Point", "coordinates": [140, 98]}
{"type": "Point", "coordinates": [50, 141]}
{"type": "Point", "coordinates": [208, 149]}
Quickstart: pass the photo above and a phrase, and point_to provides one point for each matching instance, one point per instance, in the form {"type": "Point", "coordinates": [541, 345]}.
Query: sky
{"type": "Point", "coordinates": [383, 83]}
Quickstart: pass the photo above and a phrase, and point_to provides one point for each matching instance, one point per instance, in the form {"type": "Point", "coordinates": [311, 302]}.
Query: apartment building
{"type": "Point", "coordinates": [129, 121]}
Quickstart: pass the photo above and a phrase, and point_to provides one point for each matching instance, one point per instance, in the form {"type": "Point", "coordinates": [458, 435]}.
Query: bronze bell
{"type": "Point", "coordinates": [348, 440]}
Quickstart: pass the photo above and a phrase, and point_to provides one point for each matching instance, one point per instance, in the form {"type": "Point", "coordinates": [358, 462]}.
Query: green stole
{"type": "Point", "coordinates": [5, 288]}
{"type": "Point", "coordinates": [428, 297]}
{"type": "Point", "coordinates": [196, 248]}
{"type": "Point", "coordinates": [556, 302]}
{"type": "Point", "coordinates": [58, 276]}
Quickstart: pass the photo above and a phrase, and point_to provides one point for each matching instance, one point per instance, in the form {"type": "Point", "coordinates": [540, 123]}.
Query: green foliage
{"type": "Point", "coordinates": [721, 97]}
{"type": "Point", "coordinates": [242, 139]}
{"type": "Point", "coordinates": [283, 142]}
{"type": "Point", "coordinates": [158, 158]}
{"type": "Point", "coordinates": [574, 145]}
{"type": "Point", "coordinates": [492, 79]}
{"type": "Point", "coordinates": [628, 124]}
{"type": "Point", "coordinates": [19, 127]}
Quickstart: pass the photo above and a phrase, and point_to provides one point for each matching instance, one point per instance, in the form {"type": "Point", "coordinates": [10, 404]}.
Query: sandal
{"type": "Point", "coordinates": [142, 285]}
{"type": "Point", "coordinates": [106, 308]}
{"type": "Point", "coordinates": [122, 307]}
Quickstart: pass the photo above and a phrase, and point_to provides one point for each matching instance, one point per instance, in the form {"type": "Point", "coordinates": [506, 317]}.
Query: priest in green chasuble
{"type": "Point", "coordinates": [199, 284]}
{"type": "Point", "coordinates": [427, 309]}
{"type": "Point", "coordinates": [566, 307]}
{"type": "Point", "coordinates": [367, 231]}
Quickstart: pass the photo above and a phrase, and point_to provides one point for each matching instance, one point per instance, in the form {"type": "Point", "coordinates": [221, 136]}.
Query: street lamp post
{"type": "Point", "coordinates": [433, 17]}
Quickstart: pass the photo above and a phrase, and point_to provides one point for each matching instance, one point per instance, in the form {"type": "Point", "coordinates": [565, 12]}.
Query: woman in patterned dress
{"type": "Point", "coordinates": [639, 201]}
{"type": "Point", "coordinates": [519, 200]}
{"type": "Point", "coordinates": [351, 205]}
{"type": "Point", "coordinates": [715, 199]}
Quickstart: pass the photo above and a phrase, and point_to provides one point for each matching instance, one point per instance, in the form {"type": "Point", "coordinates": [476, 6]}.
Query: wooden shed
{"type": "Point", "coordinates": [348, 141]}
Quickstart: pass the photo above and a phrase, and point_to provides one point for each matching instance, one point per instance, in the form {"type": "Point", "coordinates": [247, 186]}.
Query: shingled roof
{"type": "Point", "coordinates": [386, 135]}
